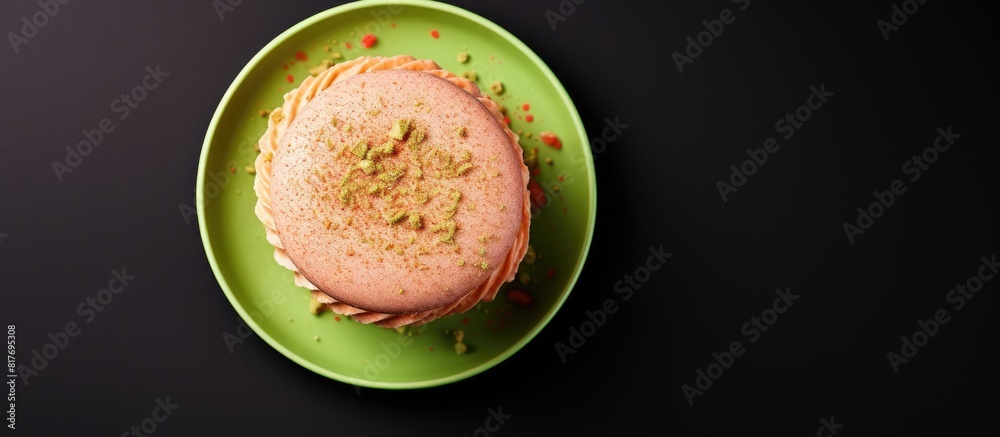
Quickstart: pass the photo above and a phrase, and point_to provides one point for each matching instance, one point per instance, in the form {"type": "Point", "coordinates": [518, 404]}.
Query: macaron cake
{"type": "Point", "coordinates": [393, 190]}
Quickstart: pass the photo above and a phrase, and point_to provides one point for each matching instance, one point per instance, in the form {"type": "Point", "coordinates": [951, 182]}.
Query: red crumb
{"type": "Point", "coordinates": [536, 193]}
{"type": "Point", "coordinates": [285, 66]}
{"type": "Point", "coordinates": [435, 34]}
{"type": "Point", "coordinates": [551, 273]}
{"type": "Point", "coordinates": [369, 40]}
{"type": "Point", "coordinates": [529, 118]}
{"type": "Point", "coordinates": [465, 321]}
{"type": "Point", "coordinates": [348, 45]}
{"type": "Point", "coordinates": [337, 318]}
{"type": "Point", "coordinates": [289, 78]}
{"type": "Point", "coordinates": [562, 179]}
{"type": "Point", "coordinates": [394, 25]}
{"type": "Point", "coordinates": [232, 170]}
{"type": "Point", "coordinates": [301, 56]}
{"type": "Point", "coordinates": [506, 120]}
{"type": "Point", "coordinates": [535, 171]}
{"type": "Point", "coordinates": [526, 107]}
{"type": "Point", "coordinates": [519, 297]}
{"type": "Point", "coordinates": [550, 139]}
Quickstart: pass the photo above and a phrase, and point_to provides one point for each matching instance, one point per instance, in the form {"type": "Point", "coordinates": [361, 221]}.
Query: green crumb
{"type": "Point", "coordinates": [315, 307]}
{"type": "Point", "coordinates": [373, 112]}
{"type": "Point", "coordinates": [334, 121]}
{"type": "Point", "coordinates": [462, 57]}
{"type": "Point", "coordinates": [336, 55]}
{"type": "Point", "coordinates": [327, 223]}
{"type": "Point", "coordinates": [525, 278]}
{"type": "Point", "coordinates": [386, 148]}
{"type": "Point", "coordinates": [466, 156]}
{"type": "Point", "coordinates": [462, 169]}
{"type": "Point", "coordinates": [412, 238]}
{"type": "Point", "coordinates": [532, 159]}
{"type": "Point", "coordinates": [482, 238]}
{"type": "Point", "coordinates": [461, 132]}
{"type": "Point", "coordinates": [548, 161]}
{"type": "Point", "coordinates": [482, 251]}
{"type": "Point", "coordinates": [461, 348]}
{"type": "Point", "coordinates": [400, 291]}
{"type": "Point", "coordinates": [263, 113]}
{"type": "Point", "coordinates": [323, 66]}
{"type": "Point", "coordinates": [399, 129]}
{"type": "Point", "coordinates": [471, 75]}
{"type": "Point", "coordinates": [484, 266]}
{"type": "Point", "coordinates": [415, 138]}
{"type": "Point", "coordinates": [503, 206]}
{"type": "Point", "coordinates": [375, 188]}
{"type": "Point", "coordinates": [528, 134]}
{"type": "Point", "coordinates": [502, 109]}
{"type": "Point", "coordinates": [316, 338]}
{"type": "Point", "coordinates": [347, 128]}
{"type": "Point", "coordinates": [360, 149]}
{"type": "Point", "coordinates": [449, 227]}
{"type": "Point", "coordinates": [250, 169]}
{"type": "Point", "coordinates": [367, 166]}
{"type": "Point", "coordinates": [415, 223]}
{"type": "Point", "coordinates": [496, 87]}
{"type": "Point", "coordinates": [396, 217]}
{"type": "Point", "coordinates": [461, 262]}
{"type": "Point", "coordinates": [456, 195]}
{"type": "Point", "coordinates": [555, 188]}
{"type": "Point", "coordinates": [400, 329]}
{"type": "Point", "coordinates": [529, 255]}
{"type": "Point", "coordinates": [391, 176]}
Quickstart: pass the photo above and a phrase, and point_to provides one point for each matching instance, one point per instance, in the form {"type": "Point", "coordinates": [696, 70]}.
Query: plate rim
{"type": "Point", "coordinates": [314, 367]}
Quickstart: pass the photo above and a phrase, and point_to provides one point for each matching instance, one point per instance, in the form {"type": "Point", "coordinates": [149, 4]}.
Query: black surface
{"type": "Point", "coordinates": [826, 356]}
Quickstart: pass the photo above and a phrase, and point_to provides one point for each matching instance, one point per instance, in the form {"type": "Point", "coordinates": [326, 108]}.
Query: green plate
{"type": "Point", "coordinates": [364, 355]}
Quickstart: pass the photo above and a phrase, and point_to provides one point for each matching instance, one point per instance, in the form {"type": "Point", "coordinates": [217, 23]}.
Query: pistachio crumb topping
{"type": "Point", "coordinates": [399, 129]}
{"type": "Point", "coordinates": [250, 169]}
{"type": "Point", "coordinates": [360, 149]}
{"type": "Point", "coordinates": [415, 223]}
{"type": "Point", "coordinates": [483, 265]}
{"type": "Point", "coordinates": [367, 166]}
{"type": "Point", "coordinates": [462, 57]}
{"type": "Point", "coordinates": [396, 217]}
{"type": "Point", "coordinates": [461, 262]}
{"type": "Point", "coordinates": [471, 75]}
{"type": "Point", "coordinates": [461, 132]}
{"type": "Point", "coordinates": [496, 87]}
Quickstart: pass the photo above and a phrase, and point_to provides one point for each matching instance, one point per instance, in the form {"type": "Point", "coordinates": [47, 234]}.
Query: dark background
{"type": "Point", "coordinates": [825, 357]}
